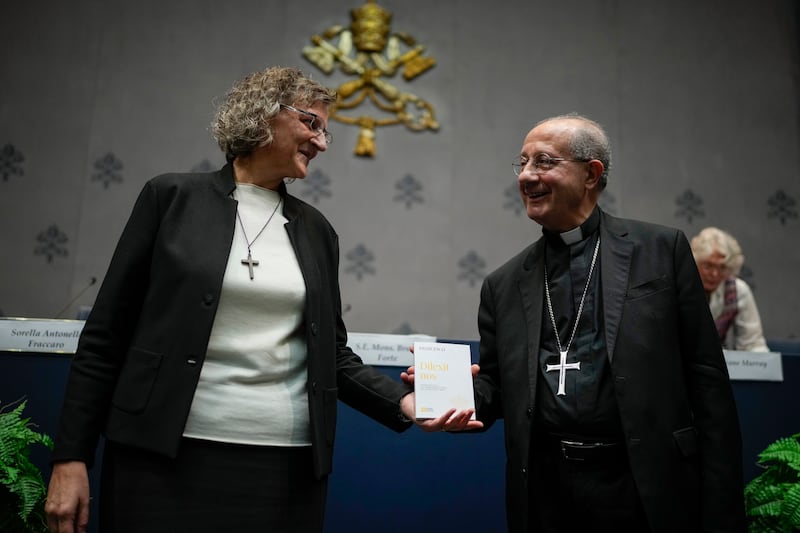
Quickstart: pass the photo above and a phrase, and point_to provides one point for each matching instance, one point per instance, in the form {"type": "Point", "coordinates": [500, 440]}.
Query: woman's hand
{"type": "Point", "coordinates": [67, 503]}
{"type": "Point", "coordinates": [452, 420]}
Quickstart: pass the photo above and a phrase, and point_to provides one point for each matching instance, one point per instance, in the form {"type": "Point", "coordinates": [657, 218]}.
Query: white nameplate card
{"type": "Point", "coordinates": [39, 335]}
{"type": "Point", "coordinates": [385, 349]}
{"type": "Point", "coordinates": [442, 379]}
{"type": "Point", "coordinates": [754, 366]}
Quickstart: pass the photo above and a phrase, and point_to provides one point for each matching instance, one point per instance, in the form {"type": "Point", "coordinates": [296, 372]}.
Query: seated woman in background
{"type": "Point", "coordinates": [719, 259]}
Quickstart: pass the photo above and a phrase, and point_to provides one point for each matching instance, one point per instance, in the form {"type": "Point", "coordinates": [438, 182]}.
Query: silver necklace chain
{"type": "Point", "coordinates": [580, 307]}
{"type": "Point", "coordinates": [250, 262]}
{"type": "Point", "coordinates": [244, 233]}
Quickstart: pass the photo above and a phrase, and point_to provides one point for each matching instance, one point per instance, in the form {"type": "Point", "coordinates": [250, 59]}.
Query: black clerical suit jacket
{"type": "Point", "coordinates": [142, 348]}
{"type": "Point", "coordinates": [670, 378]}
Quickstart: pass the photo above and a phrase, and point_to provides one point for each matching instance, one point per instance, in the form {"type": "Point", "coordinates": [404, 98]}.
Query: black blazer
{"type": "Point", "coordinates": [139, 357]}
{"type": "Point", "coordinates": [670, 378]}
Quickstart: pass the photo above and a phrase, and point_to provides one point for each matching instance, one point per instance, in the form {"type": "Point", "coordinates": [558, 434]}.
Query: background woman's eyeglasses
{"type": "Point", "coordinates": [713, 268]}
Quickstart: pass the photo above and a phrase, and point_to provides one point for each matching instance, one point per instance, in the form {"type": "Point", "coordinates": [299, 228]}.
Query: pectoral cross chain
{"type": "Point", "coordinates": [562, 368]}
{"type": "Point", "coordinates": [562, 365]}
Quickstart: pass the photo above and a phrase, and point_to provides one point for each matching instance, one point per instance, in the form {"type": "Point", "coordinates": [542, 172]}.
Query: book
{"type": "Point", "coordinates": [442, 379]}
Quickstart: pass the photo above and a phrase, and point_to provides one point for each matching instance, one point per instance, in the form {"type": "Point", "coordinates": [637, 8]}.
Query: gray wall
{"type": "Point", "coordinates": [700, 99]}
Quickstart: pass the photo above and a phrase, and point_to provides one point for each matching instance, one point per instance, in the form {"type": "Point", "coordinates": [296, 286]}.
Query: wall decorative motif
{"type": "Point", "coordinates": [782, 207]}
{"type": "Point", "coordinates": [473, 268]}
{"type": "Point", "coordinates": [11, 161]}
{"type": "Point", "coordinates": [108, 170]}
{"type": "Point", "coordinates": [410, 190]}
{"type": "Point", "coordinates": [404, 329]}
{"type": "Point", "coordinates": [371, 52]}
{"type": "Point", "coordinates": [52, 243]}
{"type": "Point", "coordinates": [690, 206]}
{"type": "Point", "coordinates": [513, 202]}
{"type": "Point", "coordinates": [203, 166]}
{"type": "Point", "coordinates": [360, 261]}
{"type": "Point", "coordinates": [316, 185]}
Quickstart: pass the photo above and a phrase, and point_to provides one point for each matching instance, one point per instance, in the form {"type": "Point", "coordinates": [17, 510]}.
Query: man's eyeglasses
{"type": "Point", "coordinates": [541, 163]}
{"type": "Point", "coordinates": [313, 122]}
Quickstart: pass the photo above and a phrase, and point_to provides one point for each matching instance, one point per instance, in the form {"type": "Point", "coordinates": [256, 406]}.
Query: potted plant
{"type": "Point", "coordinates": [772, 499]}
{"type": "Point", "coordinates": [22, 489]}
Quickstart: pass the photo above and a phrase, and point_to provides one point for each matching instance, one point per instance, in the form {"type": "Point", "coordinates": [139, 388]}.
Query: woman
{"type": "Point", "coordinates": [215, 352]}
{"type": "Point", "coordinates": [719, 259]}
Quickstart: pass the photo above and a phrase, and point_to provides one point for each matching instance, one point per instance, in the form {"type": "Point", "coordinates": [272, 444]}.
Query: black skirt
{"type": "Point", "coordinates": [211, 487]}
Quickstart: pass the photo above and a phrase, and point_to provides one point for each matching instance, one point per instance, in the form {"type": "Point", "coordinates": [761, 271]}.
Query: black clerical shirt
{"type": "Point", "coordinates": [588, 410]}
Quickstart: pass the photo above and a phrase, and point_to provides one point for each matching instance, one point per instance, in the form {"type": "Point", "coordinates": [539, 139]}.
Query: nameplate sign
{"type": "Point", "coordinates": [754, 366]}
{"type": "Point", "coordinates": [39, 335]}
{"type": "Point", "coordinates": [380, 349]}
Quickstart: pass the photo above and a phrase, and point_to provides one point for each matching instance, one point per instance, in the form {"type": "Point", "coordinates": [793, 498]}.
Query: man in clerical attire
{"type": "Point", "coordinates": [598, 350]}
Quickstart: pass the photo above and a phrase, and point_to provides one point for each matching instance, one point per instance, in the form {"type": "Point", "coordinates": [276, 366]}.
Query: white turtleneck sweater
{"type": "Point", "coordinates": [252, 387]}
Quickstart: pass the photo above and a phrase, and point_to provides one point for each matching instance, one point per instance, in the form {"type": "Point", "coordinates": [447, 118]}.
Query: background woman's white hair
{"type": "Point", "coordinates": [712, 239]}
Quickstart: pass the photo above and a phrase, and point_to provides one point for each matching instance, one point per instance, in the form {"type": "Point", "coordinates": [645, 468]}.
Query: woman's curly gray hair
{"type": "Point", "coordinates": [243, 120]}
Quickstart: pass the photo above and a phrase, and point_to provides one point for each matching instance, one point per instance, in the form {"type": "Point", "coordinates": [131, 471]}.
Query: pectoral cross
{"type": "Point", "coordinates": [562, 368]}
{"type": "Point", "coordinates": [250, 262]}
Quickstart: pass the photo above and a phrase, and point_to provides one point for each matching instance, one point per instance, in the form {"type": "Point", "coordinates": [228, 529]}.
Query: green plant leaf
{"type": "Point", "coordinates": [772, 499]}
{"type": "Point", "coordinates": [770, 509]}
{"type": "Point", "coordinates": [791, 506]}
{"type": "Point", "coordinates": [785, 450]}
{"type": "Point", "coordinates": [22, 490]}
{"type": "Point", "coordinates": [766, 525]}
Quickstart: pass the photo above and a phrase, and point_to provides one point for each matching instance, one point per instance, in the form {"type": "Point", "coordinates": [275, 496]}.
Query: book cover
{"type": "Point", "coordinates": [442, 378]}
